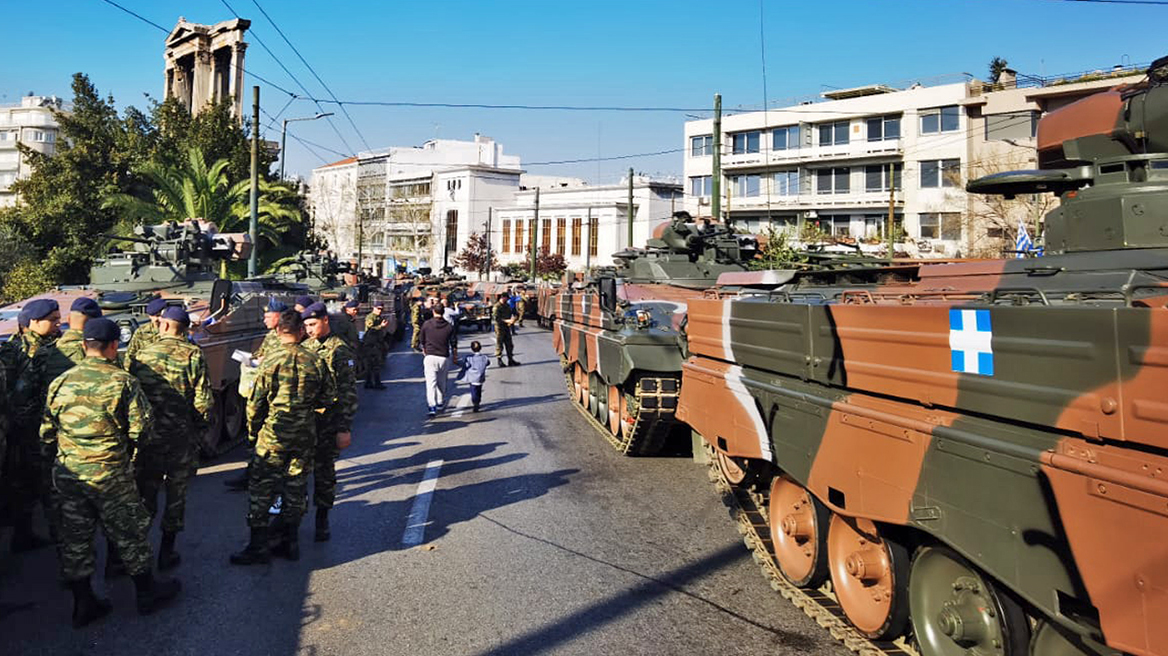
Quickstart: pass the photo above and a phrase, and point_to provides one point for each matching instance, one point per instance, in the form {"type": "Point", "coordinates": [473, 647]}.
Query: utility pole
{"type": "Point", "coordinates": [716, 175]}
{"type": "Point", "coordinates": [487, 271]}
{"type": "Point", "coordinates": [629, 242]}
{"type": "Point", "coordinates": [534, 231]}
{"type": "Point", "coordinates": [891, 206]}
{"type": "Point", "coordinates": [254, 225]}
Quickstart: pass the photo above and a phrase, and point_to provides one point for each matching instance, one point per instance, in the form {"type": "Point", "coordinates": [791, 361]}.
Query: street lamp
{"type": "Point", "coordinates": [284, 136]}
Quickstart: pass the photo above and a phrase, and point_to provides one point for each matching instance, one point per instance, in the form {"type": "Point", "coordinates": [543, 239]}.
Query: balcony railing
{"type": "Point", "coordinates": [815, 154]}
{"type": "Point", "coordinates": [813, 201]}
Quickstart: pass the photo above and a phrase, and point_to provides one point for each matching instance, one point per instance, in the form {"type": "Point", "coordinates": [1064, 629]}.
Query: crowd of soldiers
{"type": "Point", "coordinates": [94, 437]}
{"type": "Point", "coordinates": [506, 316]}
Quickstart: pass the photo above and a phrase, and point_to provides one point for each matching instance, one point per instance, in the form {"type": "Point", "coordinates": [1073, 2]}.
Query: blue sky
{"type": "Point", "coordinates": [674, 53]}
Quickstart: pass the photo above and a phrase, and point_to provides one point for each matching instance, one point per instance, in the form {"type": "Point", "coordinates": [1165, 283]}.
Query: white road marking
{"type": "Point", "coordinates": [419, 513]}
{"type": "Point", "coordinates": [461, 403]}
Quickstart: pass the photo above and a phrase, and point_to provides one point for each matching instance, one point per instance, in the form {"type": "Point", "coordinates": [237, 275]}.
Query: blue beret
{"type": "Point", "coordinates": [275, 306]}
{"type": "Point", "coordinates": [304, 301]}
{"type": "Point", "coordinates": [176, 313]}
{"type": "Point", "coordinates": [102, 330]}
{"type": "Point", "coordinates": [22, 319]}
{"type": "Point", "coordinates": [314, 311]}
{"type": "Point", "coordinates": [41, 308]}
{"type": "Point", "coordinates": [353, 304]}
{"type": "Point", "coordinates": [86, 306]}
{"type": "Point", "coordinates": [155, 307]}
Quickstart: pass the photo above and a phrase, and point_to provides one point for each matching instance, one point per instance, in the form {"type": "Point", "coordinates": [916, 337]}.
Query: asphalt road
{"type": "Point", "coordinates": [538, 539]}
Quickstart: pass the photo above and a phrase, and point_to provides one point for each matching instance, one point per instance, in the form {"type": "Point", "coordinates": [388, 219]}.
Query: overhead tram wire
{"type": "Point", "coordinates": [307, 94]}
{"type": "Point", "coordinates": [314, 74]}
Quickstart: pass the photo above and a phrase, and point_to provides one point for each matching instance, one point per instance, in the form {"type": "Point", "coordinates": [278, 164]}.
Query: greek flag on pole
{"type": "Point", "coordinates": [970, 341]}
{"type": "Point", "coordinates": [1023, 244]}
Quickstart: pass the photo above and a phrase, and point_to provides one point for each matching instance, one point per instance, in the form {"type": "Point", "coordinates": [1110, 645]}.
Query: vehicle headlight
{"type": "Point", "coordinates": [126, 332]}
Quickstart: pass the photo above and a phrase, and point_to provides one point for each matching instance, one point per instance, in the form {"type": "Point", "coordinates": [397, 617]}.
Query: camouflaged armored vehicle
{"type": "Point", "coordinates": [179, 262]}
{"type": "Point", "coordinates": [974, 455]}
{"type": "Point", "coordinates": [619, 336]}
{"type": "Point", "coordinates": [335, 282]}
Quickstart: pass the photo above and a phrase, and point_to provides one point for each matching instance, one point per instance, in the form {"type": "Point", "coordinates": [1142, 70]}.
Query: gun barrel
{"type": "Point", "coordinates": [136, 240]}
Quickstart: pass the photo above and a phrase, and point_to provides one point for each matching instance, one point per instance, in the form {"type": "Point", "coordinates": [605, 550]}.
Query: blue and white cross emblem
{"type": "Point", "coordinates": [970, 338]}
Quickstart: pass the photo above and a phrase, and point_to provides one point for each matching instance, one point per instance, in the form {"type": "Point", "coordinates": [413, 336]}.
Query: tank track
{"type": "Point", "coordinates": [747, 507]}
{"type": "Point", "coordinates": [656, 405]}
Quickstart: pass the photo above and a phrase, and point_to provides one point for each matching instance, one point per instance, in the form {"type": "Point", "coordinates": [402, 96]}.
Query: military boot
{"type": "Point", "coordinates": [114, 567]}
{"type": "Point", "coordinates": [87, 606]}
{"type": "Point", "coordinates": [512, 362]}
{"type": "Point", "coordinates": [24, 538]}
{"type": "Point", "coordinates": [289, 546]}
{"type": "Point", "coordinates": [501, 363]}
{"type": "Point", "coordinates": [168, 558]}
{"type": "Point", "coordinates": [257, 551]}
{"type": "Point", "coordinates": [322, 525]}
{"type": "Point", "coordinates": [154, 593]}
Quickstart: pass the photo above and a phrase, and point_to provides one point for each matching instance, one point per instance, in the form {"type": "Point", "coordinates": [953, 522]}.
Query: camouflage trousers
{"type": "Point", "coordinates": [116, 506]}
{"type": "Point", "coordinates": [503, 341]}
{"type": "Point", "coordinates": [416, 337]}
{"type": "Point", "coordinates": [27, 476]}
{"type": "Point", "coordinates": [374, 358]}
{"type": "Point", "coordinates": [324, 470]}
{"type": "Point", "coordinates": [271, 475]}
{"type": "Point", "coordinates": [169, 468]}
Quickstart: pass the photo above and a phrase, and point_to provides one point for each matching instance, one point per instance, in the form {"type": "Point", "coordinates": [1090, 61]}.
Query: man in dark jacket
{"type": "Point", "coordinates": [435, 343]}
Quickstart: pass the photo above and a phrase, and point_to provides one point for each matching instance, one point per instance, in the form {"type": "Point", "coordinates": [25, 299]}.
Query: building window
{"type": "Point", "coordinates": [519, 245]}
{"type": "Point", "coordinates": [942, 119]}
{"type": "Point", "coordinates": [701, 146]}
{"type": "Point", "coordinates": [1011, 125]}
{"type": "Point", "coordinates": [701, 185]}
{"type": "Point", "coordinates": [786, 183]}
{"type": "Point", "coordinates": [884, 128]}
{"type": "Point", "coordinates": [746, 142]}
{"type": "Point", "coordinates": [577, 224]}
{"type": "Point", "coordinates": [546, 237]}
{"type": "Point", "coordinates": [506, 236]}
{"type": "Point", "coordinates": [941, 225]}
{"type": "Point", "coordinates": [745, 186]}
{"type": "Point", "coordinates": [451, 230]}
{"type": "Point", "coordinates": [561, 235]}
{"type": "Point", "coordinates": [876, 177]}
{"type": "Point", "coordinates": [833, 134]}
{"type": "Point", "coordinates": [785, 138]}
{"type": "Point", "coordinates": [940, 173]}
{"type": "Point", "coordinates": [833, 181]}
{"type": "Point", "coordinates": [593, 237]}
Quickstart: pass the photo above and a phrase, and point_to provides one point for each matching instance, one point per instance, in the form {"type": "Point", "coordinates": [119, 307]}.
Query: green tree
{"type": "Point", "coordinates": [997, 65]}
{"type": "Point", "coordinates": [776, 251]}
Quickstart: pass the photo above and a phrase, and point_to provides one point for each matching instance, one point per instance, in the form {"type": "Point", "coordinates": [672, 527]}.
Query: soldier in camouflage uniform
{"type": "Point", "coordinates": [504, 319]}
{"type": "Point", "coordinates": [146, 335]}
{"type": "Point", "coordinates": [372, 347]}
{"type": "Point", "coordinates": [271, 342]}
{"type": "Point", "coordinates": [93, 416]}
{"type": "Point", "coordinates": [28, 482]}
{"type": "Point", "coordinates": [334, 426]}
{"type": "Point", "coordinates": [8, 354]}
{"type": "Point", "coordinates": [291, 386]}
{"type": "Point", "coordinates": [344, 325]}
{"type": "Point", "coordinates": [416, 320]}
{"type": "Point", "coordinates": [520, 308]}
{"type": "Point", "coordinates": [173, 375]}
{"type": "Point", "coordinates": [71, 343]}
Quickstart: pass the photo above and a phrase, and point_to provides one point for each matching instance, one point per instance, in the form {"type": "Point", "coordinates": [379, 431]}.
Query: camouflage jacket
{"type": "Point", "coordinates": [29, 384]}
{"type": "Point", "coordinates": [375, 322]}
{"type": "Point", "coordinates": [271, 343]}
{"type": "Point", "coordinates": [339, 360]}
{"type": "Point", "coordinates": [291, 385]}
{"type": "Point", "coordinates": [143, 337]}
{"type": "Point", "coordinates": [502, 314]}
{"type": "Point", "coordinates": [10, 353]}
{"type": "Point", "coordinates": [93, 416]}
{"type": "Point", "coordinates": [72, 345]}
{"type": "Point", "coordinates": [173, 375]}
{"type": "Point", "coordinates": [346, 328]}
{"type": "Point", "coordinates": [416, 314]}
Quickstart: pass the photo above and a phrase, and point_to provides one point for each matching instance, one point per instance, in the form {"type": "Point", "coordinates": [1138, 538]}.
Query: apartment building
{"type": "Point", "coordinates": [31, 122]}
{"type": "Point", "coordinates": [833, 165]}
{"type": "Point", "coordinates": [584, 224]}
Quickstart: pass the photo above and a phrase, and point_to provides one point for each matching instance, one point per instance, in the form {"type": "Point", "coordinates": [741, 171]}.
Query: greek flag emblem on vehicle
{"type": "Point", "coordinates": [971, 341]}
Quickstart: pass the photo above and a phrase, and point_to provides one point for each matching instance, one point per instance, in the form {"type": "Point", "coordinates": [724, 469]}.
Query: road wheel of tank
{"type": "Point", "coordinates": [209, 443]}
{"type": "Point", "coordinates": [869, 574]}
{"type": "Point", "coordinates": [593, 393]}
{"type": "Point", "coordinates": [628, 419]}
{"type": "Point", "coordinates": [615, 398]}
{"type": "Point", "coordinates": [601, 412]}
{"type": "Point", "coordinates": [581, 377]}
{"type": "Point", "coordinates": [734, 473]}
{"type": "Point", "coordinates": [798, 532]}
{"type": "Point", "coordinates": [234, 414]}
{"type": "Point", "coordinates": [956, 611]}
{"type": "Point", "coordinates": [1050, 641]}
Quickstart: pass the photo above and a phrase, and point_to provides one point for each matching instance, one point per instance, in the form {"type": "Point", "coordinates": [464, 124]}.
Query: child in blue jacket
{"type": "Point", "coordinates": [474, 368]}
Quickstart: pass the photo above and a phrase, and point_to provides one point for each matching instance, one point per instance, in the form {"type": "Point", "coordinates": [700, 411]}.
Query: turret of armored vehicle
{"type": "Point", "coordinates": [619, 336]}
{"type": "Point", "coordinates": [972, 454]}
{"type": "Point", "coordinates": [179, 262]}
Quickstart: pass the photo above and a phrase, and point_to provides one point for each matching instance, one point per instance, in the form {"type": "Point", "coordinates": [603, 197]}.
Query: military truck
{"type": "Point", "coordinates": [619, 336]}
{"type": "Point", "coordinates": [968, 457]}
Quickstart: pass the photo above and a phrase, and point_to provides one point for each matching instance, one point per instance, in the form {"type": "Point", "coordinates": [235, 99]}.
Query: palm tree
{"type": "Point", "coordinates": [198, 191]}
